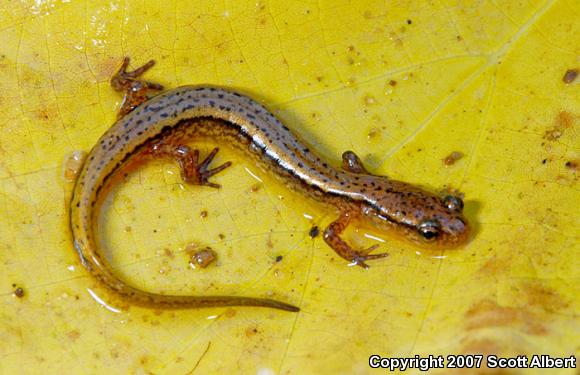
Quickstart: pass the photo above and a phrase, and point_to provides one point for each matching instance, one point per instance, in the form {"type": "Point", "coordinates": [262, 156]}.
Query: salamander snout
{"type": "Point", "coordinates": [451, 224]}
{"type": "Point", "coordinates": [449, 230]}
{"type": "Point", "coordinates": [416, 214]}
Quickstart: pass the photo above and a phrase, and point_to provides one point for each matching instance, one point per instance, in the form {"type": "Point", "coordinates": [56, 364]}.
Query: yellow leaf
{"type": "Point", "coordinates": [471, 95]}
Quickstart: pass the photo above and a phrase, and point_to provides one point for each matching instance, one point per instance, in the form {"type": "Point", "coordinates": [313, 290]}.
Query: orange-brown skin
{"type": "Point", "coordinates": [162, 125]}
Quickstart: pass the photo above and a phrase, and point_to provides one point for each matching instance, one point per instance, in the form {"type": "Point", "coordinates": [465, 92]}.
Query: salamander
{"type": "Point", "coordinates": [162, 125]}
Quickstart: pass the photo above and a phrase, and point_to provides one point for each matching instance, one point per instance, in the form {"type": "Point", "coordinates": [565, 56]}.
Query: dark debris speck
{"type": "Point", "coordinates": [314, 232]}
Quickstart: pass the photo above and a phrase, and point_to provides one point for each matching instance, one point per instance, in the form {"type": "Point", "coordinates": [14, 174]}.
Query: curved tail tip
{"type": "Point", "coordinates": [292, 308]}
{"type": "Point", "coordinates": [284, 306]}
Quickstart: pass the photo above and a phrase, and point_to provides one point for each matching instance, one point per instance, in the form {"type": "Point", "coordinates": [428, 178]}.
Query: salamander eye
{"type": "Point", "coordinates": [453, 203]}
{"type": "Point", "coordinates": [429, 230]}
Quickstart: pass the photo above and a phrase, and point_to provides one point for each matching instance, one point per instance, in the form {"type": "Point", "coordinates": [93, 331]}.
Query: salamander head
{"type": "Point", "coordinates": [417, 215]}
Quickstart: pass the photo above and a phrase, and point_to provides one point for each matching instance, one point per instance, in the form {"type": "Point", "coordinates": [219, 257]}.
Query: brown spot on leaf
{"type": "Point", "coordinates": [573, 165]}
{"type": "Point", "coordinates": [251, 331]}
{"type": "Point", "coordinates": [168, 253]}
{"type": "Point", "coordinates": [373, 133]}
{"type": "Point", "coordinates": [73, 335]}
{"type": "Point", "coordinates": [487, 314]}
{"type": "Point", "coordinates": [202, 258]}
{"type": "Point", "coordinates": [564, 120]}
{"type": "Point", "coordinates": [542, 296]}
{"type": "Point", "coordinates": [570, 75]}
{"type": "Point", "coordinates": [43, 114]}
{"type": "Point", "coordinates": [18, 292]}
{"type": "Point", "coordinates": [452, 158]}
{"type": "Point", "coordinates": [494, 267]}
{"type": "Point", "coordinates": [369, 100]}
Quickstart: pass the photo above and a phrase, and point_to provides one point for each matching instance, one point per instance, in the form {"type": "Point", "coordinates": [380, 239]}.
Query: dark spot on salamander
{"type": "Point", "coordinates": [221, 96]}
{"type": "Point", "coordinates": [212, 103]}
{"type": "Point", "coordinates": [164, 115]}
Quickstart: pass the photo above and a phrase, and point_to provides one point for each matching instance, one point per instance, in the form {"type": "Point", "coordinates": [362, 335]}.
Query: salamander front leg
{"type": "Point", "coordinates": [352, 163]}
{"type": "Point", "coordinates": [192, 171]}
{"type": "Point", "coordinates": [332, 238]}
{"type": "Point", "coordinates": [134, 89]}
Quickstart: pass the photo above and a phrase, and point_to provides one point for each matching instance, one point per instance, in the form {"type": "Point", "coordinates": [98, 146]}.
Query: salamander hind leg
{"type": "Point", "coordinates": [135, 90]}
{"type": "Point", "coordinates": [352, 163]}
{"type": "Point", "coordinates": [332, 238]}
{"type": "Point", "coordinates": [192, 170]}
